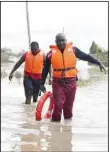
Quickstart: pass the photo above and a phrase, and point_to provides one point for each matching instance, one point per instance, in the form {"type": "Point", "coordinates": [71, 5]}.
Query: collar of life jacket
{"type": "Point", "coordinates": [55, 46]}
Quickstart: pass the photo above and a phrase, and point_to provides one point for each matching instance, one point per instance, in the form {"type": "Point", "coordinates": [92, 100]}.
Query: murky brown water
{"type": "Point", "coordinates": [88, 131]}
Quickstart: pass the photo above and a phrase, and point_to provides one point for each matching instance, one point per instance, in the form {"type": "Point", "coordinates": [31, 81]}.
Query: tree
{"type": "Point", "coordinates": [93, 48]}
{"type": "Point", "coordinates": [5, 54]}
{"type": "Point", "coordinates": [4, 57]}
{"type": "Point", "coordinates": [6, 50]}
{"type": "Point", "coordinates": [100, 53]}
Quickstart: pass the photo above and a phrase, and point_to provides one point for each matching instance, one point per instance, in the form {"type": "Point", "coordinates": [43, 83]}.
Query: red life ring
{"type": "Point", "coordinates": [40, 106]}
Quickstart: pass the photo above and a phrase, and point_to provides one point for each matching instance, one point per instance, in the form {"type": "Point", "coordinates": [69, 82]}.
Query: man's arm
{"type": "Point", "coordinates": [50, 76]}
{"type": "Point", "coordinates": [86, 57]}
{"type": "Point", "coordinates": [46, 69]}
{"type": "Point", "coordinates": [20, 61]}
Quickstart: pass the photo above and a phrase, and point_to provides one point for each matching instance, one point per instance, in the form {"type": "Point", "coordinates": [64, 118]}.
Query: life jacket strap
{"type": "Point", "coordinates": [64, 69]}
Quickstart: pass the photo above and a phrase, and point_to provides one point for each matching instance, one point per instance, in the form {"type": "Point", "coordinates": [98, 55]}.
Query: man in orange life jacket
{"type": "Point", "coordinates": [34, 60]}
{"type": "Point", "coordinates": [62, 57]}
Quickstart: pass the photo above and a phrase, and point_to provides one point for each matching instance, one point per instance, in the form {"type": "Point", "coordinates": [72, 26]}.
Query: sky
{"type": "Point", "coordinates": [83, 23]}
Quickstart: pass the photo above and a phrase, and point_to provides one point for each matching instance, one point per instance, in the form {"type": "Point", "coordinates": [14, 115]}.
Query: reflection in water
{"type": "Point", "coordinates": [62, 137]}
{"type": "Point", "coordinates": [87, 131]}
{"type": "Point", "coordinates": [52, 136]}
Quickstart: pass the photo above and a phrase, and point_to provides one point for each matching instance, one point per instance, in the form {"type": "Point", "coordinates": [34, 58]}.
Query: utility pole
{"type": "Point", "coordinates": [63, 29]}
{"type": "Point", "coordinates": [28, 24]}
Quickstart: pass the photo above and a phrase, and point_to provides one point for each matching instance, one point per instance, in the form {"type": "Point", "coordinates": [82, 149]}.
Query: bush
{"type": "Point", "coordinates": [5, 57]}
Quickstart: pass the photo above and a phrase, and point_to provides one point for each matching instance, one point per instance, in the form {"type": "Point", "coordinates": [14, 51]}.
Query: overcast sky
{"type": "Point", "coordinates": [83, 22]}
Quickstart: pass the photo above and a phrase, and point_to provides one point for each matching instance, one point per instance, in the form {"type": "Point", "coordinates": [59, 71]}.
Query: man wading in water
{"type": "Point", "coordinates": [62, 57]}
{"type": "Point", "coordinates": [34, 60]}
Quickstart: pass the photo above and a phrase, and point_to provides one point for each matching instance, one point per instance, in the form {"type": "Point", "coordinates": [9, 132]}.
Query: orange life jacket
{"type": "Point", "coordinates": [34, 63]}
{"type": "Point", "coordinates": [64, 65]}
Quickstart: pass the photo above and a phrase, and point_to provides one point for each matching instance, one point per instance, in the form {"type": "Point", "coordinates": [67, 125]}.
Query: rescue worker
{"type": "Point", "coordinates": [34, 60]}
{"type": "Point", "coordinates": [63, 57]}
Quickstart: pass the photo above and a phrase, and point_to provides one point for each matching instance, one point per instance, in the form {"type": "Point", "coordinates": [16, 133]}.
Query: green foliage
{"type": "Point", "coordinates": [6, 50]}
{"type": "Point", "coordinates": [99, 53]}
{"type": "Point", "coordinates": [93, 48]}
{"type": "Point", "coordinates": [5, 54]}
{"type": "Point", "coordinates": [5, 57]}
{"type": "Point", "coordinates": [95, 75]}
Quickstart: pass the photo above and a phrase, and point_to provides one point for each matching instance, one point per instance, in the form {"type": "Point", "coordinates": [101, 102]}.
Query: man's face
{"type": "Point", "coordinates": [34, 49]}
{"type": "Point", "coordinates": [61, 42]}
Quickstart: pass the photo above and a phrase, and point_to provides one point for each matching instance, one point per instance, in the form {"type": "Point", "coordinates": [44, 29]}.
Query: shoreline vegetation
{"type": "Point", "coordinates": [94, 73]}
{"type": "Point", "coordinates": [8, 59]}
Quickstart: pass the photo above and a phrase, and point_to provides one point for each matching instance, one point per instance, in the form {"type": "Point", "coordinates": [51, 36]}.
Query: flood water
{"type": "Point", "coordinates": [88, 131]}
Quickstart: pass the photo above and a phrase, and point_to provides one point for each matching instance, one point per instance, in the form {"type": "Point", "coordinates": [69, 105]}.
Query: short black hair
{"type": "Point", "coordinates": [60, 35]}
{"type": "Point", "coordinates": [34, 43]}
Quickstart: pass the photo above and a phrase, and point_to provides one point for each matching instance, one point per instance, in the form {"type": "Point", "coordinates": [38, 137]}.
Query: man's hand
{"type": "Point", "coordinates": [10, 76]}
{"type": "Point", "coordinates": [102, 68]}
{"type": "Point", "coordinates": [42, 88]}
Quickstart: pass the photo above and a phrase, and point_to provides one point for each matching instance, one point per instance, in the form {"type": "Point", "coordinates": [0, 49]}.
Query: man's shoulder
{"type": "Point", "coordinates": [25, 53]}
{"type": "Point", "coordinates": [75, 49]}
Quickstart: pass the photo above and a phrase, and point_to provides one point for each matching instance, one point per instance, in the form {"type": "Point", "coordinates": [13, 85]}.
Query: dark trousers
{"type": "Point", "coordinates": [63, 95]}
{"type": "Point", "coordinates": [31, 87]}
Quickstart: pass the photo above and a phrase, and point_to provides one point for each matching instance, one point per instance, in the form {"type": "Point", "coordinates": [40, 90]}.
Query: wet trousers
{"type": "Point", "coordinates": [31, 87]}
{"type": "Point", "coordinates": [63, 95]}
